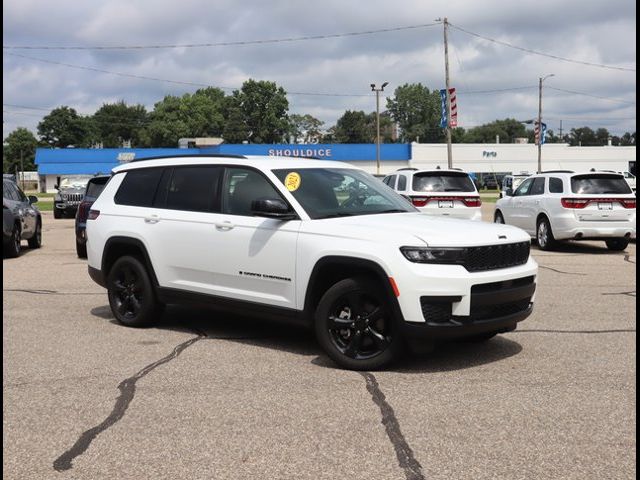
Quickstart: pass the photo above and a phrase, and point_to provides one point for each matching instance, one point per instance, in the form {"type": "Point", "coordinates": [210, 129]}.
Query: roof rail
{"type": "Point", "coordinates": [407, 168]}
{"type": "Point", "coordinates": [204, 155]}
{"type": "Point", "coordinates": [558, 171]}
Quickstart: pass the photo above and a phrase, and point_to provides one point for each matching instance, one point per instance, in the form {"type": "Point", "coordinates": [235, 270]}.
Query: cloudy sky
{"type": "Point", "coordinates": [326, 76]}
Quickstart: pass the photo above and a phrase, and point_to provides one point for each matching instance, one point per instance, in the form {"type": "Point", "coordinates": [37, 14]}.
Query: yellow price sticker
{"type": "Point", "coordinates": [292, 181]}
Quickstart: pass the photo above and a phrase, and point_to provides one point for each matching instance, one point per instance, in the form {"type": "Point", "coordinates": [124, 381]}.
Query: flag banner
{"type": "Point", "coordinates": [454, 107]}
{"type": "Point", "coordinates": [536, 131]}
{"type": "Point", "coordinates": [443, 103]}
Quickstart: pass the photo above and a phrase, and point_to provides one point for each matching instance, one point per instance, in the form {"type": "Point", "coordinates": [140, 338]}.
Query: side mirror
{"type": "Point", "coordinates": [509, 192]}
{"type": "Point", "coordinates": [33, 199]}
{"type": "Point", "coordinates": [272, 208]}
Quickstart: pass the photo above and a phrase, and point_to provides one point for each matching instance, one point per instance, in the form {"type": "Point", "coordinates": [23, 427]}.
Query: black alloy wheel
{"type": "Point", "coordinates": [131, 294]}
{"type": "Point", "coordinates": [36, 240]}
{"type": "Point", "coordinates": [617, 244]}
{"type": "Point", "coordinates": [355, 327]}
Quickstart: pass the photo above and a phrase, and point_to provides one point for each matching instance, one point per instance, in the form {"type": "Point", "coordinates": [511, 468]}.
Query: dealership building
{"type": "Point", "coordinates": [480, 159]}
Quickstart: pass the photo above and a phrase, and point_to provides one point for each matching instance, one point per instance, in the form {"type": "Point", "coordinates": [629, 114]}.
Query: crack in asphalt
{"type": "Point", "coordinates": [631, 293]}
{"type": "Point", "coordinates": [49, 292]}
{"type": "Point", "coordinates": [561, 271]}
{"type": "Point", "coordinates": [127, 392]}
{"type": "Point", "coordinates": [619, 330]}
{"type": "Point", "coordinates": [408, 463]}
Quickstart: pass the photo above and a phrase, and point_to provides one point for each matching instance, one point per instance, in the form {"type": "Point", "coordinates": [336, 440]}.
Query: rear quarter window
{"type": "Point", "coordinates": [599, 184]}
{"type": "Point", "coordinates": [555, 185]}
{"type": "Point", "coordinates": [138, 187]}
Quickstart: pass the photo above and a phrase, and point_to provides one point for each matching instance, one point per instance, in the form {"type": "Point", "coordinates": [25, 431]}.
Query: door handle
{"type": "Point", "coordinates": [224, 225]}
{"type": "Point", "coordinates": [152, 219]}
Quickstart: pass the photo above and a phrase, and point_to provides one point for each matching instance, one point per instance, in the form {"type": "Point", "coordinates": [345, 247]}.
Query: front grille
{"type": "Point", "coordinates": [72, 197]}
{"type": "Point", "coordinates": [493, 257]}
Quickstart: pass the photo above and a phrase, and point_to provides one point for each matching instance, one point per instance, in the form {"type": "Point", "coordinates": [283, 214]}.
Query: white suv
{"type": "Point", "coordinates": [450, 193]}
{"type": "Point", "coordinates": [564, 205]}
{"type": "Point", "coordinates": [315, 242]}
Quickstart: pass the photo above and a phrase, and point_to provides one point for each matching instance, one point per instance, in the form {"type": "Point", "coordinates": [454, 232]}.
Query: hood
{"type": "Point", "coordinates": [421, 229]}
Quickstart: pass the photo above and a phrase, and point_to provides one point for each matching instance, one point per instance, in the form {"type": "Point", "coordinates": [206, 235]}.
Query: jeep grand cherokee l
{"type": "Point", "coordinates": [317, 242]}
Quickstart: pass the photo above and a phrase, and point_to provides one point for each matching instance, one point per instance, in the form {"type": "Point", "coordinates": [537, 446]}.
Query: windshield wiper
{"type": "Point", "coordinates": [341, 214]}
{"type": "Point", "coordinates": [392, 210]}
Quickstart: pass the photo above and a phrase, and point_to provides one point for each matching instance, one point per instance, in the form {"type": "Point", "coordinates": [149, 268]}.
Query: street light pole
{"type": "Point", "coordinates": [378, 90]}
{"type": "Point", "coordinates": [542, 79]}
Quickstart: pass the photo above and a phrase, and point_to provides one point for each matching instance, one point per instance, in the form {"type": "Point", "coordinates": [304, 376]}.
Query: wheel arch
{"type": "Point", "coordinates": [331, 269]}
{"type": "Point", "coordinates": [116, 247]}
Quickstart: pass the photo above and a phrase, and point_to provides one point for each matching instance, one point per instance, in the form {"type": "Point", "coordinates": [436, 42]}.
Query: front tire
{"type": "Point", "coordinates": [81, 249]}
{"type": "Point", "coordinates": [57, 213]}
{"type": "Point", "coordinates": [36, 240]}
{"type": "Point", "coordinates": [617, 244]}
{"type": "Point", "coordinates": [544, 235]}
{"type": "Point", "coordinates": [131, 294]}
{"type": "Point", "coordinates": [355, 326]}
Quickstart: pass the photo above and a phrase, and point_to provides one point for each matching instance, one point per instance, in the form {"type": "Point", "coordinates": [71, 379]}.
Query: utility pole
{"type": "Point", "coordinates": [21, 171]}
{"type": "Point", "coordinates": [542, 79]}
{"type": "Point", "coordinates": [560, 131]}
{"type": "Point", "coordinates": [378, 90]}
{"type": "Point", "coordinates": [448, 96]}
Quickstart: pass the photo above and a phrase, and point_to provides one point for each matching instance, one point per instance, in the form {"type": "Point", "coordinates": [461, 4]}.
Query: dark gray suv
{"type": "Point", "coordinates": [20, 219]}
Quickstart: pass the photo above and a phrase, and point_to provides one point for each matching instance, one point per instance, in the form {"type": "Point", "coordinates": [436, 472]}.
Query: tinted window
{"type": "Point", "coordinates": [241, 187]}
{"type": "Point", "coordinates": [9, 192]}
{"type": "Point", "coordinates": [442, 182]}
{"type": "Point", "coordinates": [599, 184]}
{"type": "Point", "coordinates": [538, 186]}
{"type": "Point", "coordinates": [194, 189]}
{"type": "Point", "coordinates": [392, 181]}
{"type": "Point", "coordinates": [524, 188]}
{"type": "Point", "coordinates": [95, 186]}
{"type": "Point", "coordinates": [138, 187]}
{"type": "Point", "coordinates": [402, 182]}
{"type": "Point", "coordinates": [555, 185]}
{"type": "Point", "coordinates": [338, 192]}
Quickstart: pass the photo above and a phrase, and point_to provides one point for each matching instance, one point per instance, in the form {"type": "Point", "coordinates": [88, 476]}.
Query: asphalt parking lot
{"type": "Point", "coordinates": [208, 396]}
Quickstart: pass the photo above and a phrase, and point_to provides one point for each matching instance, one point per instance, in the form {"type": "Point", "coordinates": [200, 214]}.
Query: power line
{"type": "Point", "coordinates": [591, 95]}
{"type": "Point", "coordinates": [534, 52]}
{"type": "Point", "coordinates": [221, 44]}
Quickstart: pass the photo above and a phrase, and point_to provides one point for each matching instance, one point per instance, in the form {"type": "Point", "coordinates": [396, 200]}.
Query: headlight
{"type": "Point", "coordinates": [442, 255]}
{"type": "Point", "coordinates": [57, 198]}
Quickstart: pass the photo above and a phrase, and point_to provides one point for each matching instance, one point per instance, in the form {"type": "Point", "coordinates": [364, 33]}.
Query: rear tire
{"type": "Point", "coordinates": [12, 247]}
{"type": "Point", "coordinates": [617, 244]}
{"type": "Point", "coordinates": [498, 218]}
{"type": "Point", "coordinates": [355, 327]}
{"type": "Point", "coordinates": [131, 294]}
{"type": "Point", "coordinates": [57, 213]}
{"type": "Point", "coordinates": [544, 235]}
{"type": "Point", "coordinates": [36, 240]}
{"type": "Point", "coordinates": [81, 249]}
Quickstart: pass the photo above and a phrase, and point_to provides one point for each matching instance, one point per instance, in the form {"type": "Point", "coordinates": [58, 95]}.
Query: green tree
{"type": "Point", "coordinates": [193, 115]}
{"type": "Point", "coordinates": [353, 127]}
{"type": "Point", "coordinates": [508, 130]}
{"type": "Point", "coordinates": [115, 123]}
{"type": "Point", "coordinates": [416, 110]}
{"type": "Point", "coordinates": [20, 143]}
{"type": "Point", "coordinates": [582, 136]}
{"type": "Point", "coordinates": [63, 127]}
{"type": "Point", "coordinates": [264, 108]}
{"type": "Point", "coordinates": [305, 128]}
{"type": "Point", "coordinates": [235, 128]}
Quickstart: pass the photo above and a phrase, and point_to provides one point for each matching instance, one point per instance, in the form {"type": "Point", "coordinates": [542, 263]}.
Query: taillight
{"type": "Point", "coordinates": [472, 201]}
{"type": "Point", "coordinates": [629, 202]}
{"type": "Point", "coordinates": [419, 201]}
{"type": "Point", "coordinates": [574, 202]}
{"type": "Point", "coordinates": [93, 214]}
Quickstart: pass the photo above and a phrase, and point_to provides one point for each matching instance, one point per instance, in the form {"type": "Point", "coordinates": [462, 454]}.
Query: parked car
{"type": "Point", "coordinates": [21, 220]}
{"type": "Point", "coordinates": [324, 245]}
{"type": "Point", "coordinates": [92, 191]}
{"type": "Point", "coordinates": [70, 193]}
{"type": "Point", "coordinates": [555, 206]}
{"type": "Point", "coordinates": [450, 193]}
{"type": "Point", "coordinates": [512, 182]}
{"type": "Point", "coordinates": [490, 182]}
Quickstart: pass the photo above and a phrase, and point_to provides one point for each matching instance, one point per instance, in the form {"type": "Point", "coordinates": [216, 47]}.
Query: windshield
{"type": "Point", "coordinates": [442, 182]}
{"type": "Point", "coordinates": [517, 181]}
{"type": "Point", "coordinates": [74, 182]}
{"type": "Point", "coordinates": [599, 184]}
{"type": "Point", "coordinates": [340, 192]}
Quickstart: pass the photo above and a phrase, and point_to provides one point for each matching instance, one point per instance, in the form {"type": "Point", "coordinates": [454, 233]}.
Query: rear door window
{"type": "Point", "coordinates": [138, 187]}
{"type": "Point", "coordinates": [442, 182]}
{"type": "Point", "coordinates": [195, 189]}
{"type": "Point", "coordinates": [538, 186]}
{"type": "Point", "coordinates": [402, 182]}
{"type": "Point", "coordinates": [599, 184]}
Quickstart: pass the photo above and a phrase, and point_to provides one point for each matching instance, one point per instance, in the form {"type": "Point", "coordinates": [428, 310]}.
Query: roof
{"type": "Point", "coordinates": [262, 162]}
